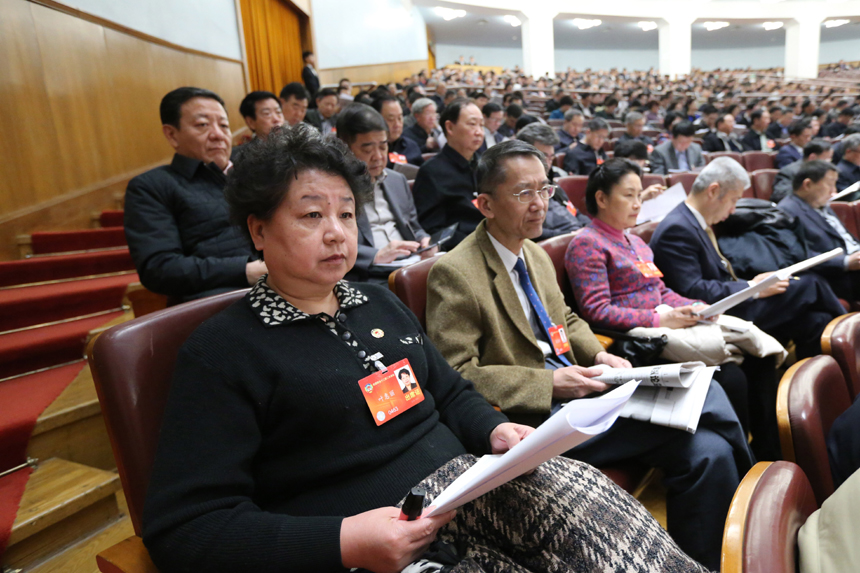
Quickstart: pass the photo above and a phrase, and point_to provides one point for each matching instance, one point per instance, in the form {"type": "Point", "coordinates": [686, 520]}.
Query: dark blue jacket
{"type": "Point", "coordinates": [848, 175]}
{"type": "Point", "coordinates": [786, 155]}
{"type": "Point", "coordinates": [820, 236]}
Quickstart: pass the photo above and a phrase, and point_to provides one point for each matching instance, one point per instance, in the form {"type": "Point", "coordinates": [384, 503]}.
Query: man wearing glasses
{"type": "Point", "coordinates": [497, 314]}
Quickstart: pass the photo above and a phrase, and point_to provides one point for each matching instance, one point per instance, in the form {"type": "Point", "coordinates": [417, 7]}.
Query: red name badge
{"type": "Point", "coordinates": [397, 158]}
{"type": "Point", "coordinates": [648, 269]}
{"type": "Point", "coordinates": [560, 343]}
{"type": "Point", "coordinates": [600, 161]}
{"type": "Point", "coordinates": [388, 394]}
{"type": "Point", "coordinates": [475, 203]}
{"type": "Point", "coordinates": [571, 209]}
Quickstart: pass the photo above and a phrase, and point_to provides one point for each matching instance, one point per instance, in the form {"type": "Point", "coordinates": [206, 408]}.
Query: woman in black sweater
{"type": "Point", "coordinates": [270, 458]}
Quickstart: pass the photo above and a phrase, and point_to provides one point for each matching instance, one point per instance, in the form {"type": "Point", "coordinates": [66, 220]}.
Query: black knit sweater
{"type": "Point", "coordinates": [267, 442]}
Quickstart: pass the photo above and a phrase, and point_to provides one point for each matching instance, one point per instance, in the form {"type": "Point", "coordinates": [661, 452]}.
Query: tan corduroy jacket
{"type": "Point", "coordinates": [475, 319]}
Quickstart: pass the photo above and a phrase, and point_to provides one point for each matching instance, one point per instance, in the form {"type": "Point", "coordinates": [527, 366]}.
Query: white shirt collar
{"type": "Point", "coordinates": [509, 259]}
{"type": "Point", "coordinates": [698, 216]}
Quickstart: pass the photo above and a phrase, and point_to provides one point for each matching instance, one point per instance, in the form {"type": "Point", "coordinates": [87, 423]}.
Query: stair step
{"type": "Point", "coordinates": [72, 427]}
{"type": "Point", "coordinates": [79, 240]}
{"type": "Point", "coordinates": [112, 218]}
{"type": "Point", "coordinates": [59, 267]}
{"type": "Point", "coordinates": [81, 557]}
{"type": "Point", "coordinates": [28, 306]}
{"type": "Point", "coordinates": [40, 347]}
{"type": "Point", "coordinates": [62, 503]}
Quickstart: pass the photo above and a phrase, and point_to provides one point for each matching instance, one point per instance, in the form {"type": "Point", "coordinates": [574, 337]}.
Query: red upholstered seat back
{"type": "Point", "coordinates": [848, 214]}
{"type": "Point", "coordinates": [574, 187]}
{"type": "Point", "coordinates": [649, 179]}
{"type": "Point", "coordinates": [841, 340]}
{"type": "Point", "coordinates": [733, 154]}
{"type": "Point", "coordinates": [556, 248]}
{"type": "Point", "coordinates": [762, 182]}
{"type": "Point", "coordinates": [811, 395]}
{"type": "Point", "coordinates": [685, 179]}
{"type": "Point", "coordinates": [410, 286]}
{"type": "Point", "coordinates": [132, 366]}
{"type": "Point", "coordinates": [645, 230]}
{"type": "Point", "coordinates": [755, 160]}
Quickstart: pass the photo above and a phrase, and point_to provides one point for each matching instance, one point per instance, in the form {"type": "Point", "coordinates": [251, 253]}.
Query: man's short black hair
{"type": "Point", "coordinates": [477, 94]}
{"type": "Point", "coordinates": [721, 119]}
{"type": "Point", "coordinates": [604, 178]}
{"type": "Point", "coordinates": [358, 118]}
{"type": "Point", "coordinates": [756, 115]}
{"type": "Point", "coordinates": [325, 92]}
{"type": "Point", "coordinates": [708, 109]}
{"type": "Point", "coordinates": [565, 100]}
{"type": "Point", "coordinates": [379, 101]}
{"type": "Point", "coordinates": [814, 170]}
{"type": "Point", "coordinates": [775, 109]}
{"type": "Point", "coordinates": [670, 117]}
{"type": "Point", "coordinates": [631, 149]}
{"type": "Point", "coordinates": [610, 102]}
{"type": "Point", "coordinates": [524, 120]}
{"type": "Point", "coordinates": [598, 123]}
{"type": "Point", "coordinates": [295, 90]}
{"type": "Point", "coordinates": [262, 176]}
{"type": "Point", "coordinates": [490, 108]}
{"type": "Point", "coordinates": [171, 104]}
{"type": "Point", "coordinates": [514, 111]}
{"type": "Point", "coordinates": [452, 112]}
{"type": "Point", "coordinates": [305, 54]}
{"type": "Point", "coordinates": [491, 167]}
{"type": "Point", "coordinates": [248, 107]}
{"type": "Point", "coordinates": [797, 127]}
{"type": "Point", "coordinates": [684, 128]}
{"type": "Point", "coordinates": [847, 112]}
{"type": "Point", "coordinates": [806, 104]}
{"type": "Point", "coordinates": [816, 146]}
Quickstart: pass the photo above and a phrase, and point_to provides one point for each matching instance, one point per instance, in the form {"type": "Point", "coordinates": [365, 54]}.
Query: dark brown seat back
{"type": "Point", "coordinates": [811, 395]}
{"type": "Point", "coordinates": [132, 366]}
{"type": "Point", "coordinates": [686, 179]}
{"type": "Point", "coordinates": [574, 187]}
{"type": "Point", "coordinates": [645, 231]}
{"type": "Point", "coordinates": [733, 154]}
{"type": "Point", "coordinates": [770, 505]}
{"type": "Point", "coordinates": [558, 159]}
{"type": "Point", "coordinates": [755, 160]}
{"type": "Point", "coordinates": [556, 248]}
{"type": "Point", "coordinates": [410, 286]}
{"type": "Point", "coordinates": [762, 182]}
{"type": "Point", "coordinates": [848, 214]}
{"type": "Point", "coordinates": [841, 340]}
{"type": "Point", "coordinates": [649, 179]}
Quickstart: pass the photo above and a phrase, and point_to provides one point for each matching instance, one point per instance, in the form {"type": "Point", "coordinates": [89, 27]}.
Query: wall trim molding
{"type": "Point", "coordinates": [61, 7]}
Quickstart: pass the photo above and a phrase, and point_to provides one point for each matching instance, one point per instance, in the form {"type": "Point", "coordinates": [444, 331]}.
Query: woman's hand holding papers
{"type": "Point", "coordinates": [506, 436]}
{"type": "Point", "coordinates": [681, 317]}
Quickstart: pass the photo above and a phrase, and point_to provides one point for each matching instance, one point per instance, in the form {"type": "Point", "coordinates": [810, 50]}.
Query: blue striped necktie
{"type": "Point", "coordinates": [537, 305]}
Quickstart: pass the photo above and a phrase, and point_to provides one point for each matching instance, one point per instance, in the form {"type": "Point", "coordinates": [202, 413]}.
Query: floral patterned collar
{"type": "Point", "coordinates": [274, 310]}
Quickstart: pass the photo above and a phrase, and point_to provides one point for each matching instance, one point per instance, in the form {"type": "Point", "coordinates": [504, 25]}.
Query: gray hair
{"type": "Point", "coordinates": [633, 117]}
{"type": "Point", "coordinates": [421, 103]}
{"type": "Point", "coordinates": [538, 133]}
{"type": "Point", "coordinates": [572, 113]}
{"type": "Point", "coordinates": [851, 142]}
{"type": "Point", "coordinates": [723, 170]}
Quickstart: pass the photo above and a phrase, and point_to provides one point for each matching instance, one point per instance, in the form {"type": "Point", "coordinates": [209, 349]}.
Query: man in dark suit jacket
{"type": "Point", "coordinates": [840, 125]}
{"type": "Point", "coordinates": [685, 251]}
{"type": "Point", "coordinates": [723, 137]}
{"type": "Point", "coordinates": [849, 166]}
{"type": "Point", "coordinates": [324, 117]}
{"type": "Point", "coordinates": [586, 156]}
{"type": "Point", "coordinates": [421, 132]}
{"type": "Point", "coordinates": [388, 227]}
{"type": "Point", "coordinates": [679, 154]}
{"type": "Point", "coordinates": [784, 181]}
{"type": "Point", "coordinates": [814, 184]}
{"type": "Point", "coordinates": [400, 149]}
{"type": "Point", "coordinates": [755, 138]}
{"type": "Point", "coordinates": [309, 75]}
{"type": "Point", "coordinates": [800, 133]}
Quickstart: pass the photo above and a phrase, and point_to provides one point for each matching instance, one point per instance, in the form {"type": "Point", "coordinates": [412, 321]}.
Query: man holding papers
{"type": "Point", "coordinates": [686, 251]}
{"type": "Point", "coordinates": [497, 315]}
{"type": "Point", "coordinates": [814, 185]}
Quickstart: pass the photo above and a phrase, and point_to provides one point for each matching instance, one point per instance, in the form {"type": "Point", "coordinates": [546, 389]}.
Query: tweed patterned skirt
{"type": "Point", "coordinates": [566, 516]}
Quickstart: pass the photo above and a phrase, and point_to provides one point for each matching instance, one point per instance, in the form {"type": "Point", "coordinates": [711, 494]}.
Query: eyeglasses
{"type": "Point", "coordinates": [528, 195]}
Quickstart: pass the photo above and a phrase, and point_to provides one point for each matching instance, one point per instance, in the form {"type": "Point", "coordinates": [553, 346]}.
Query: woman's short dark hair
{"type": "Point", "coordinates": [604, 178]}
{"type": "Point", "coordinates": [491, 167]}
{"type": "Point", "coordinates": [262, 175]}
{"type": "Point", "coordinates": [358, 118]}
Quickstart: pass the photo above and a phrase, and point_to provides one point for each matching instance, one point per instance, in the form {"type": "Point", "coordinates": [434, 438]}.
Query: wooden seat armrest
{"type": "Point", "coordinates": [127, 556]}
{"type": "Point", "coordinates": [605, 341]}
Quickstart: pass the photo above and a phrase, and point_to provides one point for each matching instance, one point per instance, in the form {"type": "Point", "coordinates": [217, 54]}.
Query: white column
{"type": "Point", "coordinates": [802, 43]}
{"type": "Point", "coordinates": [675, 36]}
{"type": "Point", "coordinates": [538, 42]}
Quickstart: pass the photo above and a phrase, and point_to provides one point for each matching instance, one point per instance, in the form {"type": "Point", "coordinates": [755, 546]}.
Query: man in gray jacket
{"type": "Point", "coordinates": [680, 154]}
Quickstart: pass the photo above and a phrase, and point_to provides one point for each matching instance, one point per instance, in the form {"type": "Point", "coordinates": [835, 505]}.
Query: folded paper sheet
{"type": "Point", "coordinates": [578, 421]}
{"type": "Point", "coordinates": [679, 375]}
{"type": "Point", "coordinates": [657, 208]}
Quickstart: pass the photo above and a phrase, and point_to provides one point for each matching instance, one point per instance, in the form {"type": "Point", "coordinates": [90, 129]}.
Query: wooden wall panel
{"type": "Point", "coordinates": [79, 101]}
{"type": "Point", "coordinates": [381, 73]}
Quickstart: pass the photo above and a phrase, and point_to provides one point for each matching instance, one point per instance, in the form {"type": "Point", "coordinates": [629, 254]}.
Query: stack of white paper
{"type": "Point", "coordinates": [671, 406]}
{"type": "Point", "coordinates": [657, 208]}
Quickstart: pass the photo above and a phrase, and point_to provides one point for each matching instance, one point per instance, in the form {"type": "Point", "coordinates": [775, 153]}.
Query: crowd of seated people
{"type": "Point", "coordinates": [335, 208]}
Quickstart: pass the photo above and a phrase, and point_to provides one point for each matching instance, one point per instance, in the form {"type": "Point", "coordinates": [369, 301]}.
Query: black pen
{"type": "Point", "coordinates": [413, 505]}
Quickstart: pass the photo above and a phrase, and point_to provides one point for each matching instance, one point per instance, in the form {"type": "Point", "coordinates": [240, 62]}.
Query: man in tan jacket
{"type": "Point", "coordinates": [494, 309]}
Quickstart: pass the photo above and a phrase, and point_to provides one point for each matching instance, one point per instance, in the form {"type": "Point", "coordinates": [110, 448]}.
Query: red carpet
{"type": "Point", "coordinates": [63, 267]}
{"type": "Point", "coordinates": [22, 401]}
{"type": "Point", "coordinates": [45, 346]}
{"type": "Point", "coordinates": [64, 241]}
{"type": "Point", "coordinates": [112, 218]}
{"type": "Point", "coordinates": [27, 306]}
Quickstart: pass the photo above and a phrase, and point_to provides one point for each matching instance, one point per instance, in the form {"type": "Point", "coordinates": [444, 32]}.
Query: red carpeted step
{"type": "Point", "coordinates": [26, 306]}
{"type": "Point", "coordinates": [112, 218]}
{"type": "Point", "coordinates": [82, 240]}
{"type": "Point", "coordinates": [57, 267]}
{"type": "Point", "coordinates": [45, 346]}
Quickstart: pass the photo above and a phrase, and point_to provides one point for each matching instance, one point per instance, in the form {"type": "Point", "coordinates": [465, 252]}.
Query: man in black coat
{"type": "Point", "coordinates": [586, 156]}
{"type": "Point", "coordinates": [723, 137]}
{"type": "Point", "coordinates": [800, 132]}
{"type": "Point", "coordinates": [426, 122]}
{"type": "Point", "coordinates": [400, 149]}
{"type": "Point", "coordinates": [309, 75]}
{"type": "Point", "coordinates": [784, 181]}
{"type": "Point", "coordinates": [176, 218]}
{"type": "Point", "coordinates": [324, 117]}
{"type": "Point", "coordinates": [446, 187]}
{"type": "Point", "coordinates": [685, 250]}
{"type": "Point", "coordinates": [814, 184]}
{"type": "Point", "coordinates": [849, 165]}
{"type": "Point", "coordinates": [755, 138]}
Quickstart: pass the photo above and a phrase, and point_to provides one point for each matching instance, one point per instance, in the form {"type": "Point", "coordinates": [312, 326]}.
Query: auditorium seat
{"type": "Point", "coordinates": [645, 231]}
{"type": "Point", "coordinates": [755, 160]}
{"type": "Point", "coordinates": [608, 145]}
{"type": "Point", "coordinates": [558, 159]}
{"type": "Point", "coordinates": [652, 133]}
{"type": "Point", "coordinates": [411, 184]}
{"type": "Point", "coordinates": [733, 154]}
{"type": "Point", "coordinates": [111, 218]}
{"type": "Point", "coordinates": [649, 179]}
{"type": "Point", "coordinates": [407, 169]}
{"type": "Point", "coordinates": [770, 505]}
{"type": "Point", "coordinates": [132, 367]}
{"type": "Point", "coordinates": [556, 247]}
{"type": "Point", "coordinates": [848, 213]}
{"type": "Point", "coordinates": [762, 182]}
{"type": "Point", "coordinates": [574, 187]}
{"type": "Point", "coordinates": [811, 395]}
{"type": "Point", "coordinates": [615, 124]}
{"type": "Point", "coordinates": [841, 340]}
{"type": "Point", "coordinates": [555, 122]}
{"type": "Point", "coordinates": [409, 283]}
{"type": "Point", "coordinates": [686, 179]}
{"type": "Point", "coordinates": [426, 156]}
{"type": "Point", "coordinates": [616, 133]}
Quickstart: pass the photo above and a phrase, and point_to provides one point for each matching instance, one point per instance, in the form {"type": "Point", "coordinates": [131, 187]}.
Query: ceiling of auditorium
{"type": "Point", "coordinates": [490, 30]}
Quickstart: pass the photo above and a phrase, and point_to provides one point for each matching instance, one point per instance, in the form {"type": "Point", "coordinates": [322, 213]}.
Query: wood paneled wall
{"type": "Point", "coordinates": [381, 73]}
{"type": "Point", "coordinates": [79, 101]}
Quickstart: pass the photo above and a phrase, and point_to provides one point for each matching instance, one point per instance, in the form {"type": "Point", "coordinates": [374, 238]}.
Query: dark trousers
{"type": "Point", "coordinates": [702, 470]}
{"type": "Point", "coordinates": [800, 313]}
